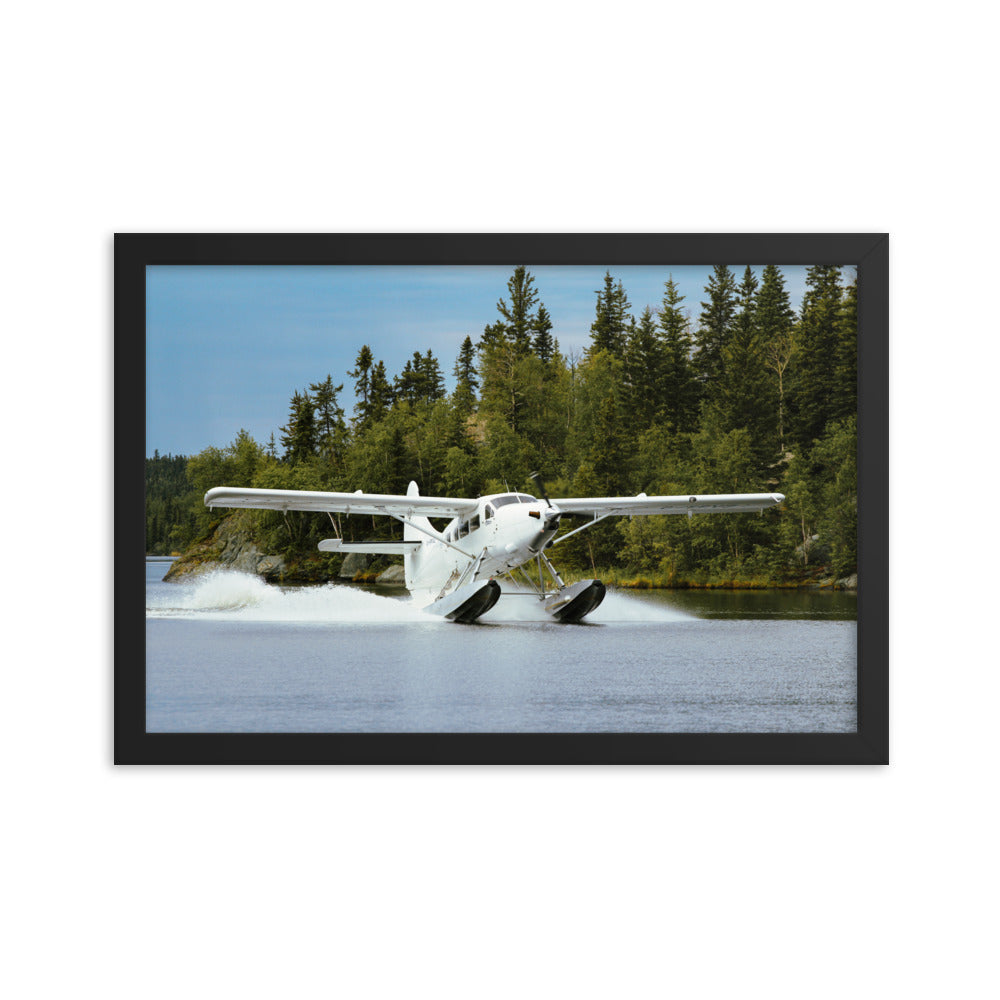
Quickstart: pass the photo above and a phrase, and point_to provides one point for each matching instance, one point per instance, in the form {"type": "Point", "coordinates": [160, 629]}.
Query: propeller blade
{"type": "Point", "coordinates": [540, 486]}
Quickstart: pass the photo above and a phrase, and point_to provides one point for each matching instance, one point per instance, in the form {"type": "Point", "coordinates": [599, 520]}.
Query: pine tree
{"type": "Point", "coordinates": [494, 335]}
{"type": "Point", "coordinates": [361, 373]}
{"type": "Point", "coordinates": [329, 415]}
{"type": "Point", "coordinates": [518, 316]}
{"type": "Point", "coordinates": [502, 395]}
{"type": "Point", "coordinates": [408, 384]}
{"type": "Point", "coordinates": [611, 322]}
{"type": "Point", "coordinates": [380, 394]}
{"type": "Point", "coordinates": [812, 389]}
{"type": "Point", "coordinates": [775, 322]}
{"type": "Point", "coordinates": [603, 472]}
{"type": "Point", "coordinates": [643, 373]}
{"type": "Point", "coordinates": [740, 398]}
{"type": "Point", "coordinates": [298, 436]}
{"type": "Point", "coordinates": [715, 328]}
{"type": "Point", "coordinates": [679, 388]}
{"type": "Point", "coordinates": [331, 430]}
{"type": "Point", "coordinates": [845, 392]}
{"type": "Point", "coordinates": [466, 381]}
{"type": "Point", "coordinates": [421, 380]}
{"type": "Point", "coordinates": [543, 344]}
{"type": "Point", "coordinates": [433, 380]}
{"type": "Point", "coordinates": [610, 453]}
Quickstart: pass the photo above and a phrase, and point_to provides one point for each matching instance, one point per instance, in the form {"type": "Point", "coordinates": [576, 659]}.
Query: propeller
{"type": "Point", "coordinates": [552, 521]}
{"type": "Point", "coordinates": [536, 478]}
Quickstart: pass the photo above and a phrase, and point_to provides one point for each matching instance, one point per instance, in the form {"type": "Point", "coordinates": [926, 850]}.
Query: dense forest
{"type": "Point", "coordinates": [751, 396]}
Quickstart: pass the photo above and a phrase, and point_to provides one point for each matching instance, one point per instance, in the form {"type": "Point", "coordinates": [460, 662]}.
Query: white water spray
{"type": "Point", "coordinates": [228, 595]}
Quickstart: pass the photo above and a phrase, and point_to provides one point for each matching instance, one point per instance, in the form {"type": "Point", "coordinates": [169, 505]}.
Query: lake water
{"type": "Point", "coordinates": [230, 653]}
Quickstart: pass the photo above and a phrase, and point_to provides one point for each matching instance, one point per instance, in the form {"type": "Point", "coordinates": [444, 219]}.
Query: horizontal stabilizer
{"type": "Point", "coordinates": [372, 548]}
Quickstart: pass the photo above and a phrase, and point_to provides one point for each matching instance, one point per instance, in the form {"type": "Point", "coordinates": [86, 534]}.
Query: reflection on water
{"type": "Point", "coordinates": [837, 605]}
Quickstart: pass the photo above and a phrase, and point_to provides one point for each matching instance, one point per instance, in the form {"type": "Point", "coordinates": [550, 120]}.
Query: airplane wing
{"type": "Point", "coordinates": [343, 503]}
{"type": "Point", "coordinates": [711, 503]}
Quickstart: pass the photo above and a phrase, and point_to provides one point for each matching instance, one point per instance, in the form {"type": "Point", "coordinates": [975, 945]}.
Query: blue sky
{"type": "Point", "coordinates": [226, 347]}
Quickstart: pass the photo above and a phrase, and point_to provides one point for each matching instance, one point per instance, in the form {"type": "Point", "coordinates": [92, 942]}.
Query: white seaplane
{"type": "Point", "coordinates": [454, 572]}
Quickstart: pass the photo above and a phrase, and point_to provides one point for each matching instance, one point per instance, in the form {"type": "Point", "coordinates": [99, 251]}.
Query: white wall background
{"type": "Point", "coordinates": [498, 882]}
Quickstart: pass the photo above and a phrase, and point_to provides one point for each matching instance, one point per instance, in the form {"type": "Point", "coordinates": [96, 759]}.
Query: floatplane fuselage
{"type": "Point", "coordinates": [455, 571]}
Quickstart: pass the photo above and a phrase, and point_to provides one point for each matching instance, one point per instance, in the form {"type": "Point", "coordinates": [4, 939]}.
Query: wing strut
{"type": "Point", "coordinates": [430, 534]}
{"type": "Point", "coordinates": [589, 524]}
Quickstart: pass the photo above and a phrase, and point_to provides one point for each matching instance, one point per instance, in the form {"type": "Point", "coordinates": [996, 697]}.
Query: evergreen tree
{"type": "Point", "coordinates": [741, 397]}
{"type": "Point", "coordinates": [643, 373]}
{"type": "Point", "coordinates": [812, 389]}
{"type": "Point", "coordinates": [518, 316]}
{"type": "Point", "coordinates": [844, 398]}
{"type": "Point", "coordinates": [611, 451]}
{"type": "Point", "coordinates": [329, 415]}
{"type": "Point", "coordinates": [170, 504]}
{"type": "Point", "coordinates": [679, 387]}
{"type": "Point", "coordinates": [836, 454]}
{"type": "Point", "coordinates": [543, 344]}
{"type": "Point", "coordinates": [775, 322]}
{"type": "Point", "coordinates": [502, 396]}
{"type": "Point", "coordinates": [380, 394]}
{"type": "Point", "coordinates": [494, 335]}
{"type": "Point", "coordinates": [299, 436]}
{"type": "Point", "coordinates": [466, 381]}
{"type": "Point", "coordinates": [433, 380]}
{"type": "Point", "coordinates": [611, 322]}
{"type": "Point", "coordinates": [715, 328]}
{"type": "Point", "coordinates": [331, 430]}
{"type": "Point", "coordinates": [361, 373]}
{"type": "Point", "coordinates": [604, 472]}
{"type": "Point", "coordinates": [421, 380]}
{"type": "Point", "coordinates": [408, 384]}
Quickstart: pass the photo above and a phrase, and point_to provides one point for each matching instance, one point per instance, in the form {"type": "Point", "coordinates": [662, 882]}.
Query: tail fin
{"type": "Point", "coordinates": [410, 533]}
{"type": "Point", "coordinates": [413, 534]}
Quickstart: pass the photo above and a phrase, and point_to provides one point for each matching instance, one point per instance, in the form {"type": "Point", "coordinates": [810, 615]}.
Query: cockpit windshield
{"type": "Point", "coordinates": [512, 498]}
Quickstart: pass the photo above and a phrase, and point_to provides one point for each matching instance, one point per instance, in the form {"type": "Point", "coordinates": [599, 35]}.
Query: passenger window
{"type": "Point", "coordinates": [474, 522]}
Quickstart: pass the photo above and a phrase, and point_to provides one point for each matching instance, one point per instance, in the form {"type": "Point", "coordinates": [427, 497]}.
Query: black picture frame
{"type": "Point", "coordinates": [870, 744]}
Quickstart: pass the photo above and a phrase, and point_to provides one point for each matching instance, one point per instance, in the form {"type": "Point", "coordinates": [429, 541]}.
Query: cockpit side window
{"type": "Point", "coordinates": [488, 512]}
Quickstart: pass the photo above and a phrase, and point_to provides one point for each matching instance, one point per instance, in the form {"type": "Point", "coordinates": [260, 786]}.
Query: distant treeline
{"type": "Point", "coordinates": [751, 397]}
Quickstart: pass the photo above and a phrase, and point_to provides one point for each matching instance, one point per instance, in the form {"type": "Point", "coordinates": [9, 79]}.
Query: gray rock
{"type": "Point", "coordinates": [392, 577]}
{"type": "Point", "coordinates": [230, 547]}
{"type": "Point", "coordinates": [270, 566]}
{"type": "Point", "coordinates": [354, 562]}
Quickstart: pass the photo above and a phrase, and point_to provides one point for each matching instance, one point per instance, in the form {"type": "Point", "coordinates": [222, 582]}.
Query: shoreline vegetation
{"type": "Point", "coordinates": [754, 396]}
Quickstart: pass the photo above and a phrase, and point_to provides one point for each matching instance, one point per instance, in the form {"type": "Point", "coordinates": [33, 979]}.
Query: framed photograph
{"type": "Point", "coordinates": [501, 498]}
